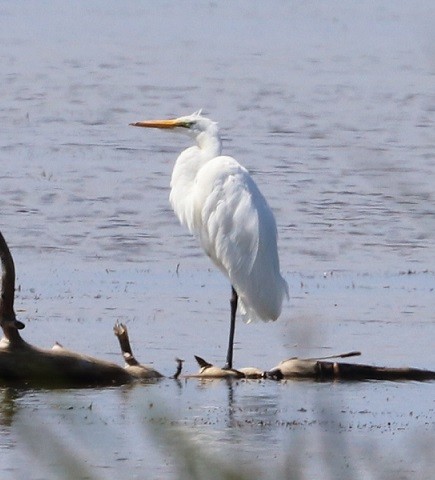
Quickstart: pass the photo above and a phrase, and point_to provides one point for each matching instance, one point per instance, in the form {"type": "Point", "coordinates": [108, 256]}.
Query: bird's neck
{"type": "Point", "coordinates": [210, 144]}
{"type": "Point", "coordinates": [186, 168]}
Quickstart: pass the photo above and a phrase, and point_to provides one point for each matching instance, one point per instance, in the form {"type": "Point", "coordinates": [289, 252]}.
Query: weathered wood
{"type": "Point", "coordinates": [350, 371]}
{"type": "Point", "coordinates": [179, 368]}
{"type": "Point", "coordinates": [26, 364]}
{"type": "Point", "coordinates": [315, 369]}
{"type": "Point", "coordinates": [318, 369]}
{"type": "Point", "coordinates": [8, 320]}
{"type": "Point", "coordinates": [252, 372]}
{"type": "Point", "coordinates": [302, 367]}
{"type": "Point", "coordinates": [207, 370]}
{"type": "Point", "coordinates": [132, 366]}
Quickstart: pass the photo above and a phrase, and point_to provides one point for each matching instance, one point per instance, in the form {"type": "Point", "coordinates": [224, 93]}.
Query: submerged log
{"type": "Point", "coordinates": [322, 370]}
{"type": "Point", "coordinates": [318, 369]}
{"type": "Point", "coordinates": [207, 370]}
{"type": "Point", "coordinates": [132, 366]}
{"type": "Point", "coordinates": [8, 320]}
{"type": "Point", "coordinates": [25, 364]}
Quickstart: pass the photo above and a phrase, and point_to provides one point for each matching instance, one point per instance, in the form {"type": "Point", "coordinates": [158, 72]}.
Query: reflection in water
{"type": "Point", "coordinates": [231, 420]}
{"type": "Point", "coordinates": [269, 426]}
{"type": "Point", "coordinates": [8, 406]}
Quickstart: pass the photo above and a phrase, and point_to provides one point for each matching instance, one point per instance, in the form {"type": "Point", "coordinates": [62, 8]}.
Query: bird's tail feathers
{"type": "Point", "coordinates": [264, 303]}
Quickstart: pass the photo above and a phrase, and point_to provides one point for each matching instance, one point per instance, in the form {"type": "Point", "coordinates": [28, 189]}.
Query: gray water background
{"type": "Point", "coordinates": [331, 106]}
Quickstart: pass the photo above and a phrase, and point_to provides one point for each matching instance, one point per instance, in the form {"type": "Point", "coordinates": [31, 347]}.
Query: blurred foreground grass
{"type": "Point", "coordinates": [63, 457]}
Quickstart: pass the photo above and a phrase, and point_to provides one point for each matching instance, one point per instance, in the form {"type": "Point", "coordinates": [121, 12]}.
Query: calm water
{"type": "Point", "coordinates": [332, 109]}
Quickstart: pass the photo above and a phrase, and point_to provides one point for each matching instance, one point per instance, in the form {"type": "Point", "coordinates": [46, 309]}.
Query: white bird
{"type": "Point", "coordinates": [218, 201]}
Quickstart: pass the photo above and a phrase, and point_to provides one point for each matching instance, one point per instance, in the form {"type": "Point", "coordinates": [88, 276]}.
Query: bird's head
{"type": "Point", "coordinates": [193, 125]}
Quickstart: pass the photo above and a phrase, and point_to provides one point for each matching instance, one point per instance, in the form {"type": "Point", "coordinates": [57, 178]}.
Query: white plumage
{"type": "Point", "coordinates": [218, 201]}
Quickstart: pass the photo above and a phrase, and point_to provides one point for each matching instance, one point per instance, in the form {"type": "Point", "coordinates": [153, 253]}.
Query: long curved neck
{"type": "Point", "coordinates": [209, 142]}
{"type": "Point", "coordinates": [186, 168]}
{"type": "Point", "coordinates": [208, 146]}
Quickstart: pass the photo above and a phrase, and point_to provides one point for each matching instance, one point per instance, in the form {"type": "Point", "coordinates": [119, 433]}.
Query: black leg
{"type": "Point", "coordinates": [233, 303]}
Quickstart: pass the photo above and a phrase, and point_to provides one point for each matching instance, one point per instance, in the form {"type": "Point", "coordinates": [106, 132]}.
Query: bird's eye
{"type": "Point", "coordinates": [187, 124]}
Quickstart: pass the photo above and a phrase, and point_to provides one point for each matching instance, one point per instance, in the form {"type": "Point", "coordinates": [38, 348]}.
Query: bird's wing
{"type": "Point", "coordinates": [227, 215]}
{"type": "Point", "coordinates": [237, 230]}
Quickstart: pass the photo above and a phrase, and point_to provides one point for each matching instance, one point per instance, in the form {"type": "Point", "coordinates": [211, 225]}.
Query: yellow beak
{"type": "Point", "coordinates": [157, 124]}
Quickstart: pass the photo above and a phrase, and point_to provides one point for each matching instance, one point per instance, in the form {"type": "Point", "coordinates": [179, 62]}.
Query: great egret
{"type": "Point", "coordinates": [219, 202]}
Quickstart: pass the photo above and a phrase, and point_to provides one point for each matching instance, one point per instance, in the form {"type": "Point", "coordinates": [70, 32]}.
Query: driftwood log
{"type": "Point", "coordinates": [22, 363]}
{"type": "Point", "coordinates": [26, 365]}
{"type": "Point", "coordinates": [323, 370]}
{"type": "Point", "coordinates": [315, 369]}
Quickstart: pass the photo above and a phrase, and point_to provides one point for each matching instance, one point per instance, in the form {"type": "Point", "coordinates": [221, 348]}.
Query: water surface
{"type": "Point", "coordinates": [331, 107]}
